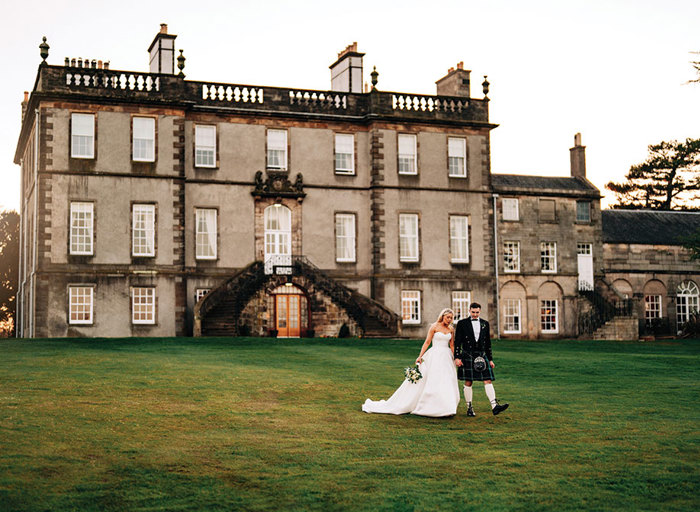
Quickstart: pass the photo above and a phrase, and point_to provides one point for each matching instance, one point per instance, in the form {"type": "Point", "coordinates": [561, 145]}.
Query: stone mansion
{"type": "Point", "coordinates": [152, 205]}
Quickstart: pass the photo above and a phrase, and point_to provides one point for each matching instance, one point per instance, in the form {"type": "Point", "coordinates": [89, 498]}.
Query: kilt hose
{"type": "Point", "coordinates": [467, 371]}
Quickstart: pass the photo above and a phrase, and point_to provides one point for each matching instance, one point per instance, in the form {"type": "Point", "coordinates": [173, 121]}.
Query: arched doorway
{"type": "Point", "coordinates": [278, 236]}
{"type": "Point", "coordinates": [291, 310]}
{"type": "Point", "coordinates": [687, 299]}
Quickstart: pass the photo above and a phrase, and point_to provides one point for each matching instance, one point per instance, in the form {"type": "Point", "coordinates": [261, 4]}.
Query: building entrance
{"type": "Point", "coordinates": [291, 311]}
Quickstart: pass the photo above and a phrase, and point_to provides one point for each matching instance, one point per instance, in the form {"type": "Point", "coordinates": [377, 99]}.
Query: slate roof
{"type": "Point", "coordinates": [515, 182]}
{"type": "Point", "coordinates": [649, 227]}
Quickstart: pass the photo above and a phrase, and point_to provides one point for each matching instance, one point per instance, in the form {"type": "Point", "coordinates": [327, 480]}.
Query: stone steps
{"type": "Point", "coordinates": [619, 328]}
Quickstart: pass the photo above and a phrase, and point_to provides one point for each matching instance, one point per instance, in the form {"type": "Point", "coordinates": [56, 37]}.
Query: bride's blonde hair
{"type": "Point", "coordinates": [443, 313]}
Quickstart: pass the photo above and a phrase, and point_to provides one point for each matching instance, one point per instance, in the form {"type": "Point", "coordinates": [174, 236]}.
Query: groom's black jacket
{"type": "Point", "coordinates": [465, 344]}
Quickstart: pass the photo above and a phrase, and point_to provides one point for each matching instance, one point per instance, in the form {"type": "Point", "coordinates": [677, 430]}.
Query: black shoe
{"type": "Point", "coordinates": [499, 408]}
{"type": "Point", "coordinates": [470, 411]}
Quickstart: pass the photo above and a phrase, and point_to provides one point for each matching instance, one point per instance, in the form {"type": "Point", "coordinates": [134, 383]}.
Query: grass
{"type": "Point", "coordinates": [257, 424]}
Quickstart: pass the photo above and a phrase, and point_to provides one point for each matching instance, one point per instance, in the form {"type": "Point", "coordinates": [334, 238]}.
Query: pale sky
{"type": "Point", "coordinates": [614, 70]}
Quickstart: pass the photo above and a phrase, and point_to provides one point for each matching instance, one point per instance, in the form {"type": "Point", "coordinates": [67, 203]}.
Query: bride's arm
{"type": "Point", "coordinates": [452, 341]}
{"type": "Point", "coordinates": [426, 344]}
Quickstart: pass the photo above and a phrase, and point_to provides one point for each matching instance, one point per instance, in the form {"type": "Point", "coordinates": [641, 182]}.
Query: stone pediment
{"type": "Point", "coordinates": [277, 184]}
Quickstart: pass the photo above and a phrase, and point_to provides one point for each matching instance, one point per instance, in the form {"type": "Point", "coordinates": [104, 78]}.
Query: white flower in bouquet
{"type": "Point", "coordinates": [413, 374]}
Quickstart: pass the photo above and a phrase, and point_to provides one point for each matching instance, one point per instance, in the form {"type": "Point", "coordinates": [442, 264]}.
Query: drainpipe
{"type": "Point", "coordinates": [495, 266]}
{"type": "Point", "coordinates": [32, 277]}
{"type": "Point", "coordinates": [20, 273]}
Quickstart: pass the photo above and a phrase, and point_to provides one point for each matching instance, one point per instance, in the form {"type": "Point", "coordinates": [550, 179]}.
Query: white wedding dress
{"type": "Point", "coordinates": [436, 394]}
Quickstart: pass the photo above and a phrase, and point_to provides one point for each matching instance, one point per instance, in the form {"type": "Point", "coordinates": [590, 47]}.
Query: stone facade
{"type": "Point", "coordinates": [416, 207]}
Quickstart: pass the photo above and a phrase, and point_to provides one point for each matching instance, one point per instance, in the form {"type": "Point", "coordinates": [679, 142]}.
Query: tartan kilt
{"type": "Point", "coordinates": [467, 371]}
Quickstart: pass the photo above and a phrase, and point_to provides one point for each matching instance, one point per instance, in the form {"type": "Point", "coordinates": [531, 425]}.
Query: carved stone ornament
{"type": "Point", "coordinates": [277, 184]}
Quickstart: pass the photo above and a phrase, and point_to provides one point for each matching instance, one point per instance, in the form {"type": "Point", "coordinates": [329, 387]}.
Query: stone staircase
{"type": "Point", "coordinates": [607, 320]}
{"type": "Point", "coordinates": [619, 328]}
{"type": "Point", "coordinates": [218, 313]}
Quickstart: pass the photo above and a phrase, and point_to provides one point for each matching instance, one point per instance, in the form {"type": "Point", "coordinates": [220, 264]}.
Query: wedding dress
{"type": "Point", "coordinates": [436, 394]}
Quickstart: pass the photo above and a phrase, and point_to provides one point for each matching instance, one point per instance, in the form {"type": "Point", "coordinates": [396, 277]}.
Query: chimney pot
{"type": "Point", "coordinates": [163, 28]}
{"type": "Point", "coordinates": [460, 65]}
{"type": "Point", "coordinates": [26, 96]}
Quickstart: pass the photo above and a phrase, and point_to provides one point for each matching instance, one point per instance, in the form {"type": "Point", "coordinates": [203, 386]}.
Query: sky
{"type": "Point", "coordinates": [614, 70]}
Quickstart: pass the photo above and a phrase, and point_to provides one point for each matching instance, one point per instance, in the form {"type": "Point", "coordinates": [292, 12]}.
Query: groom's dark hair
{"type": "Point", "coordinates": [474, 305]}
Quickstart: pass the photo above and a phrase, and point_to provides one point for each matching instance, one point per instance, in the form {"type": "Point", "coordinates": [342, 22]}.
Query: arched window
{"type": "Point", "coordinates": [687, 295]}
{"type": "Point", "coordinates": [278, 236]}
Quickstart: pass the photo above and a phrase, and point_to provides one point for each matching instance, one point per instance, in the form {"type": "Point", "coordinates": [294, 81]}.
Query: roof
{"type": "Point", "coordinates": [518, 182]}
{"type": "Point", "coordinates": [649, 227]}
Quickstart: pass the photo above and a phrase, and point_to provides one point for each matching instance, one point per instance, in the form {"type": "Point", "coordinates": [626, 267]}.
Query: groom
{"type": "Point", "coordinates": [473, 339]}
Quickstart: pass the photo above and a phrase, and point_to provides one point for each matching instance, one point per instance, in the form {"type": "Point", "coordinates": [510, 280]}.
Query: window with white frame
{"type": "Point", "coordinates": [584, 248]}
{"type": "Point", "coordinates": [583, 211]}
{"type": "Point", "coordinates": [144, 135]}
{"type": "Point", "coordinates": [143, 305]}
{"type": "Point", "coordinates": [82, 136]}
{"type": "Point", "coordinates": [80, 304]}
{"type": "Point", "coordinates": [344, 153]}
{"type": "Point", "coordinates": [687, 299]}
{"type": "Point", "coordinates": [143, 230]}
{"type": "Point", "coordinates": [199, 293]}
{"type": "Point", "coordinates": [81, 228]}
{"type": "Point", "coordinates": [277, 149]}
{"type": "Point", "coordinates": [459, 239]}
{"type": "Point", "coordinates": [511, 316]}
{"type": "Point", "coordinates": [407, 154]}
{"type": "Point", "coordinates": [511, 210]}
{"type": "Point", "coordinates": [408, 237]}
{"type": "Point", "coordinates": [204, 145]}
{"type": "Point", "coordinates": [549, 321]}
{"type": "Point", "coordinates": [511, 256]}
{"type": "Point", "coordinates": [457, 157]}
{"type": "Point", "coordinates": [548, 257]}
{"type": "Point", "coordinates": [205, 235]}
{"type": "Point", "coordinates": [344, 237]}
{"type": "Point", "coordinates": [652, 308]}
{"type": "Point", "coordinates": [410, 306]}
{"type": "Point", "coordinates": [460, 304]}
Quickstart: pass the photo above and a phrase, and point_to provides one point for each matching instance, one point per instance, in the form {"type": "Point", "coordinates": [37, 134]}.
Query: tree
{"type": "Point", "coordinates": [669, 178]}
{"type": "Point", "coordinates": [9, 265]}
{"type": "Point", "coordinates": [692, 243]}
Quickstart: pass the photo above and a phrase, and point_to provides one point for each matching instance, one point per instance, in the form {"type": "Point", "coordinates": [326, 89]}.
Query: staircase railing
{"type": "Point", "coordinates": [602, 311]}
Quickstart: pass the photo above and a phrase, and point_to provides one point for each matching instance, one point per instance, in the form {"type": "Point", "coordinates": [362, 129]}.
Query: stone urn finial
{"type": "Point", "coordinates": [485, 85]}
{"type": "Point", "coordinates": [374, 76]}
{"type": "Point", "coordinates": [44, 50]}
{"type": "Point", "coordinates": [181, 64]}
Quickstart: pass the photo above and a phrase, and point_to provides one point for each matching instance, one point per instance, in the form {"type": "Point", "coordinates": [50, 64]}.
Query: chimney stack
{"type": "Point", "coordinates": [578, 158]}
{"type": "Point", "coordinates": [346, 72]}
{"type": "Point", "coordinates": [162, 52]}
{"type": "Point", "coordinates": [455, 83]}
{"type": "Point", "coordinates": [25, 102]}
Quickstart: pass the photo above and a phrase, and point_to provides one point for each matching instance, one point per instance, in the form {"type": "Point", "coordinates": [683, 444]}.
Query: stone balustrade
{"type": "Point", "coordinates": [87, 82]}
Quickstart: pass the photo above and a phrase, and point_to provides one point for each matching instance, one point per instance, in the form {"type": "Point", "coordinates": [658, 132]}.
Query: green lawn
{"type": "Point", "coordinates": [258, 424]}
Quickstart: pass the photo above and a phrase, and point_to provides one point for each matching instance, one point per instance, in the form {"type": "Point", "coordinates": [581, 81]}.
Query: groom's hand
{"type": "Point", "coordinates": [458, 362]}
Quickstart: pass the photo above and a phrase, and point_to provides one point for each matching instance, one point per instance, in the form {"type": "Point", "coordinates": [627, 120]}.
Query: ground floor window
{"type": "Point", "coordinates": [143, 305]}
{"type": "Point", "coordinates": [549, 321]}
{"type": "Point", "coordinates": [410, 306]}
{"type": "Point", "coordinates": [460, 304]}
{"type": "Point", "coordinates": [80, 303]}
{"type": "Point", "coordinates": [686, 301]}
{"type": "Point", "coordinates": [511, 315]}
{"type": "Point", "coordinates": [652, 308]}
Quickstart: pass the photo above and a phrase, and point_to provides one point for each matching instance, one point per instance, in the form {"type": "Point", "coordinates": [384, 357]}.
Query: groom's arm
{"type": "Point", "coordinates": [459, 336]}
{"type": "Point", "coordinates": [487, 342]}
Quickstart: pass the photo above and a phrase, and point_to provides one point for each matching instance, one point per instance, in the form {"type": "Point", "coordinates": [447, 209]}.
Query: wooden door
{"type": "Point", "coordinates": [288, 316]}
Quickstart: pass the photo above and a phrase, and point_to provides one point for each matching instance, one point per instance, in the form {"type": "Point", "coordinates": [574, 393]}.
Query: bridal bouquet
{"type": "Point", "coordinates": [413, 374]}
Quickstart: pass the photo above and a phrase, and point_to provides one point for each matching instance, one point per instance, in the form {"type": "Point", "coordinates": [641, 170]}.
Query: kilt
{"type": "Point", "coordinates": [467, 371]}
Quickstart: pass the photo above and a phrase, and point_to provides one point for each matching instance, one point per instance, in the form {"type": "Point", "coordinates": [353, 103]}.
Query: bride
{"type": "Point", "coordinates": [437, 393]}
